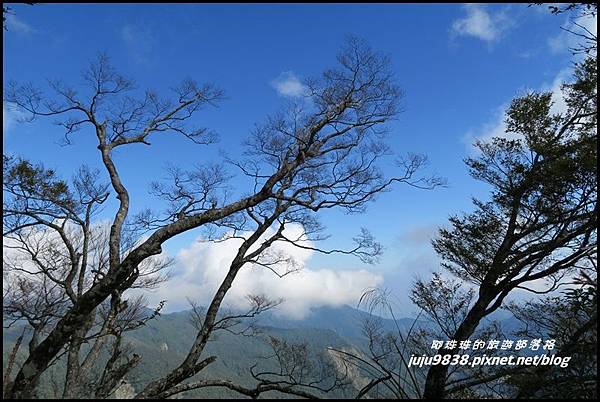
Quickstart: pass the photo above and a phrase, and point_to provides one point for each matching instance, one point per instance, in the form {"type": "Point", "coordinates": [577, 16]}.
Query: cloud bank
{"type": "Point", "coordinates": [202, 266]}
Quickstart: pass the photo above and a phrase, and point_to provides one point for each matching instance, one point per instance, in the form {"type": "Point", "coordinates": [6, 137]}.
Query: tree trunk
{"type": "Point", "coordinates": [435, 384]}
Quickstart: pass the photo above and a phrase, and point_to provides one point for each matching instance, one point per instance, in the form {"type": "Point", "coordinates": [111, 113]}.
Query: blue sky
{"type": "Point", "coordinates": [458, 65]}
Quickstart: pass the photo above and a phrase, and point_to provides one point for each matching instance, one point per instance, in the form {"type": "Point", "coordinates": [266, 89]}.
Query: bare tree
{"type": "Point", "coordinates": [321, 153]}
{"type": "Point", "coordinates": [53, 254]}
{"type": "Point", "coordinates": [300, 372]}
{"type": "Point", "coordinates": [331, 149]}
{"type": "Point", "coordinates": [383, 364]}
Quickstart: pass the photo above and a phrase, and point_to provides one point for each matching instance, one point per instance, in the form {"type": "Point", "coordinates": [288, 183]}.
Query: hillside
{"type": "Point", "coordinates": [164, 342]}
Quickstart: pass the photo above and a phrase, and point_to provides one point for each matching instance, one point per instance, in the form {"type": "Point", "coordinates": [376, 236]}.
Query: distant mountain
{"type": "Point", "coordinates": [346, 321]}
{"type": "Point", "coordinates": [165, 341]}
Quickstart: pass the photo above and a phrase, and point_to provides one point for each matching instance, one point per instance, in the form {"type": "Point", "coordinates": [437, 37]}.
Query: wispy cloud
{"type": "Point", "coordinates": [497, 126]}
{"type": "Point", "coordinates": [140, 42]}
{"type": "Point", "coordinates": [420, 235]}
{"type": "Point", "coordinates": [14, 24]}
{"type": "Point", "coordinates": [10, 116]}
{"type": "Point", "coordinates": [565, 40]}
{"type": "Point", "coordinates": [481, 24]}
{"type": "Point", "coordinates": [287, 84]}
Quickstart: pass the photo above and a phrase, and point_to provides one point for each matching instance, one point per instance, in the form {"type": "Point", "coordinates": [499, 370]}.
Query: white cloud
{"type": "Point", "coordinates": [565, 40]}
{"type": "Point", "coordinates": [202, 266]}
{"type": "Point", "coordinates": [13, 24]}
{"type": "Point", "coordinates": [558, 99]}
{"type": "Point", "coordinates": [287, 84]}
{"type": "Point", "coordinates": [494, 128]}
{"type": "Point", "coordinates": [44, 239]}
{"type": "Point", "coordinates": [497, 126]}
{"type": "Point", "coordinates": [480, 24]}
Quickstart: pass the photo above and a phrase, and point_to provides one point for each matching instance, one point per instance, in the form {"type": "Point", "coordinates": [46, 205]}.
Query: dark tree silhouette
{"type": "Point", "coordinates": [54, 253]}
{"type": "Point", "coordinates": [541, 220]}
